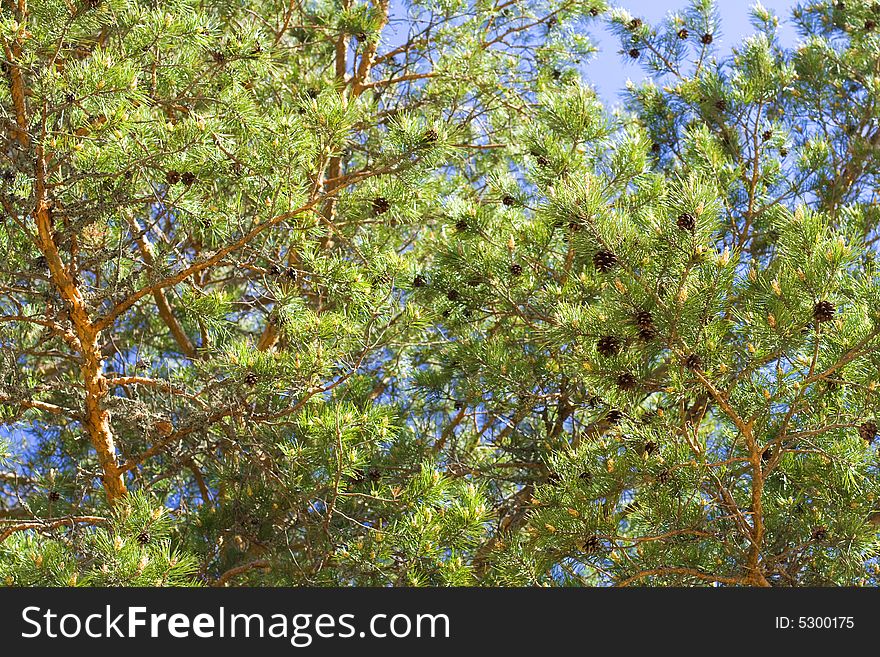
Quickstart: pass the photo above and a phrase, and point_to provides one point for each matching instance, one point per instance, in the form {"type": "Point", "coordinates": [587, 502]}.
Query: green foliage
{"type": "Point", "coordinates": [133, 549]}
{"type": "Point", "coordinates": [286, 303]}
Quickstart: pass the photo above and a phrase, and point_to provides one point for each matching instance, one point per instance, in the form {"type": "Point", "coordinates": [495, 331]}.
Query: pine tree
{"type": "Point", "coordinates": [287, 303]}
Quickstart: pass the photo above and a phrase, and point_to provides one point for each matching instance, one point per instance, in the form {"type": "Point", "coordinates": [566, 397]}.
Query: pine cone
{"type": "Point", "coordinates": [461, 225]}
{"type": "Point", "coordinates": [591, 545]}
{"type": "Point", "coordinates": [634, 53]}
{"type": "Point", "coordinates": [693, 362]}
{"type": "Point", "coordinates": [516, 269]}
{"type": "Point", "coordinates": [144, 537]}
{"type": "Point", "coordinates": [868, 431]}
{"type": "Point", "coordinates": [381, 205]}
{"type": "Point", "coordinates": [823, 311]}
{"type": "Point", "coordinates": [686, 221]}
{"type": "Point", "coordinates": [626, 381]}
{"type": "Point", "coordinates": [613, 416]}
{"type": "Point", "coordinates": [508, 200]}
{"type": "Point", "coordinates": [766, 135]}
{"type": "Point", "coordinates": [663, 477]}
{"type": "Point", "coordinates": [635, 23]}
{"type": "Point", "coordinates": [645, 324]}
{"type": "Point", "coordinates": [683, 34]}
{"type": "Point", "coordinates": [431, 136]}
{"type": "Point", "coordinates": [721, 106]}
{"type": "Point", "coordinates": [188, 178]}
{"type": "Point", "coordinates": [251, 379]}
{"type": "Point", "coordinates": [819, 534]}
{"type": "Point", "coordinates": [644, 319]}
{"type": "Point", "coordinates": [419, 281]}
{"type": "Point", "coordinates": [649, 447]}
{"type": "Point", "coordinates": [453, 295]}
{"type": "Point", "coordinates": [608, 345]}
{"type": "Point", "coordinates": [604, 261]}
{"type": "Point", "coordinates": [172, 177]}
{"type": "Point", "coordinates": [706, 39]}
{"type": "Point", "coordinates": [54, 496]}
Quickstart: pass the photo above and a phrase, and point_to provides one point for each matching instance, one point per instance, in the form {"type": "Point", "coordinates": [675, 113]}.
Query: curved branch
{"type": "Point", "coordinates": [676, 570]}
{"type": "Point", "coordinates": [239, 570]}
{"type": "Point", "coordinates": [51, 524]}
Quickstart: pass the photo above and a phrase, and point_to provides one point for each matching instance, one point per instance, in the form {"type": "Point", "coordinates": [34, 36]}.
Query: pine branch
{"type": "Point", "coordinates": [232, 573]}
{"type": "Point", "coordinates": [676, 570]}
{"type": "Point", "coordinates": [7, 531]}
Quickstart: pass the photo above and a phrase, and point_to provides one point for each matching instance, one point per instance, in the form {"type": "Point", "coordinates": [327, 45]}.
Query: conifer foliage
{"type": "Point", "coordinates": [287, 301]}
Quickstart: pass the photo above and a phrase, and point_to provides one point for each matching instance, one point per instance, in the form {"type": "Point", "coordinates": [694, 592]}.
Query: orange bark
{"type": "Point", "coordinates": [96, 419]}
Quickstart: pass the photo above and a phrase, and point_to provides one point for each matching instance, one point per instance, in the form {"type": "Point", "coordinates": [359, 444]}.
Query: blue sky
{"type": "Point", "coordinates": [609, 70]}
